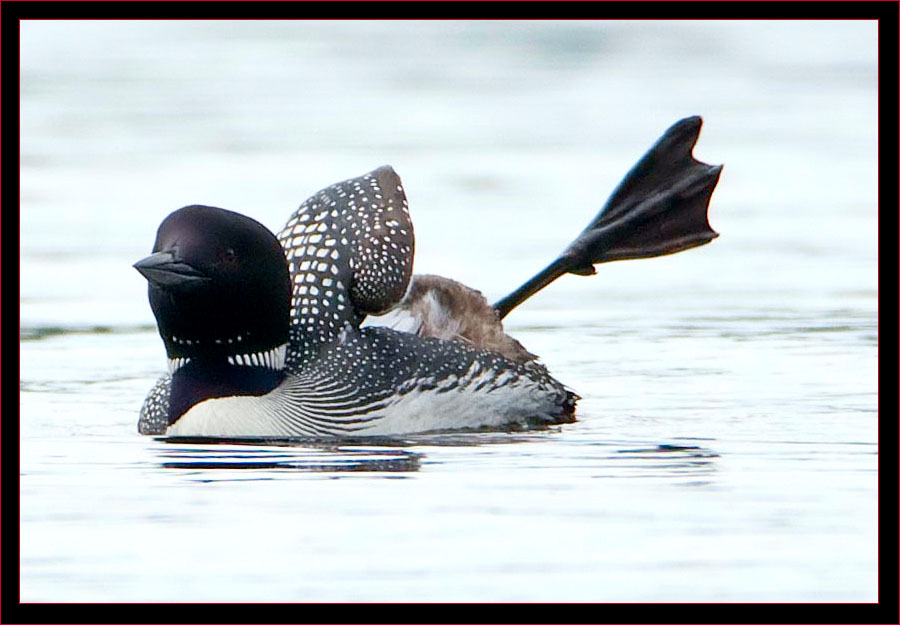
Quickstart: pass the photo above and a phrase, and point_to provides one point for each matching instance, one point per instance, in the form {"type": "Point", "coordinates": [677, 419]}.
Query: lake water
{"type": "Point", "coordinates": [726, 447]}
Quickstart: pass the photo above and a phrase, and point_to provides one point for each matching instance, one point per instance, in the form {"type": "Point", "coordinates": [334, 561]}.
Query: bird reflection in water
{"type": "Point", "coordinates": [202, 454]}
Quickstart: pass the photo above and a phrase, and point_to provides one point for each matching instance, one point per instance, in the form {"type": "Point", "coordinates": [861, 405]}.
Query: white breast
{"type": "Point", "coordinates": [506, 401]}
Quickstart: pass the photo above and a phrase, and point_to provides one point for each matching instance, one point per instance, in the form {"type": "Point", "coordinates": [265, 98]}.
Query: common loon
{"type": "Point", "coordinates": [265, 335]}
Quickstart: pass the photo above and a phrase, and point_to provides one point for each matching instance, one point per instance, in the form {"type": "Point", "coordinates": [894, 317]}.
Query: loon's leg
{"type": "Point", "coordinates": [659, 208]}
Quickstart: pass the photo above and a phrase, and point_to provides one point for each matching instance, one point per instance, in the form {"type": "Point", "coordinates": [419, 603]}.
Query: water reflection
{"type": "Point", "coordinates": [317, 455]}
{"type": "Point", "coordinates": [665, 461]}
{"type": "Point", "coordinates": [284, 454]}
{"type": "Point", "coordinates": [391, 456]}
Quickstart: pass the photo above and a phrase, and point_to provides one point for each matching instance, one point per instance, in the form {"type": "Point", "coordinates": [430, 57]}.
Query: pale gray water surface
{"type": "Point", "coordinates": [726, 448]}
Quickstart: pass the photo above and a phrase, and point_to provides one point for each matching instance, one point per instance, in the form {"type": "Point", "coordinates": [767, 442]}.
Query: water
{"type": "Point", "coordinates": [726, 448]}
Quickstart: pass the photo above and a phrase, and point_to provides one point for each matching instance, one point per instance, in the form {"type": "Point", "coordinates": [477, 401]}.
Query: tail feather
{"type": "Point", "coordinates": [659, 208]}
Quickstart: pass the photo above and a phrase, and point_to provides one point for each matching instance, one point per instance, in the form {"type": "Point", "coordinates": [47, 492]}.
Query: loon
{"type": "Point", "coordinates": [273, 336]}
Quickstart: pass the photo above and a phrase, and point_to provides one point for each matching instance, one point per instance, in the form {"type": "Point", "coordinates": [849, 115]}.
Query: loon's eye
{"type": "Point", "coordinates": [229, 257]}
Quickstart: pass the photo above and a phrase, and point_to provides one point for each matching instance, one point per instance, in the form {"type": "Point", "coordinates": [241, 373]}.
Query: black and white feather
{"type": "Point", "coordinates": [349, 250]}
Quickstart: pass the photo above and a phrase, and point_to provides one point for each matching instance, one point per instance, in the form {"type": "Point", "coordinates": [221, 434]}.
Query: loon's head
{"type": "Point", "coordinates": [220, 289]}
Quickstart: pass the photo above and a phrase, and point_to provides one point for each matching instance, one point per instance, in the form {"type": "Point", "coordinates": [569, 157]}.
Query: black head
{"type": "Point", "coordinates": [219, 287]}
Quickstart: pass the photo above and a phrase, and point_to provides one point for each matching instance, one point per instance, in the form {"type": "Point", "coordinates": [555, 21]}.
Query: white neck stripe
{"type": "Point", "coordinates": [271, 359]}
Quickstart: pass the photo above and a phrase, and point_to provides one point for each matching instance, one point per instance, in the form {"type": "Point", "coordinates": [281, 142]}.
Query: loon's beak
{"type": "Point", "coordinates": [165, 270]}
